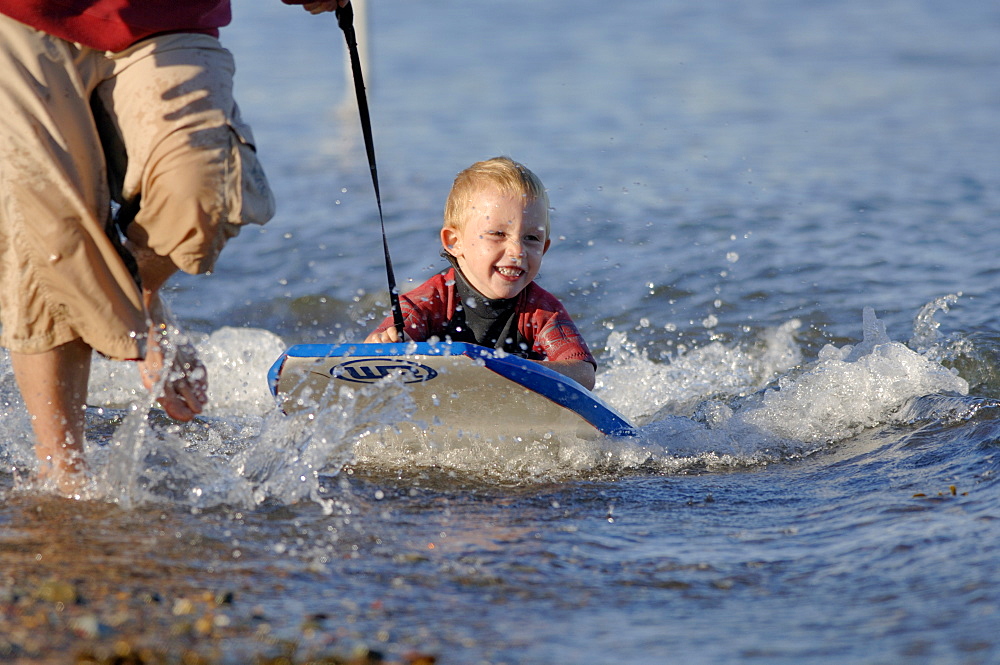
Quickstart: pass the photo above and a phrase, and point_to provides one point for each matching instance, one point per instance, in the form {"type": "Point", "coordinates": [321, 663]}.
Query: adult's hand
{"type": "Point", "coordinates": [318, 6]}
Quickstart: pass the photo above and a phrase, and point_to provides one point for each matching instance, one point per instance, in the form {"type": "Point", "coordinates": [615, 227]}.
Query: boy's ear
{"type": "Point", "coordinates": [548, 241]}
{"type": "Point", "coordinates": [449, 238]}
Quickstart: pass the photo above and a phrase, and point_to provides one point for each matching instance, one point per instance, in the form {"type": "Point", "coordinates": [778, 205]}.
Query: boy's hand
{"type": "Point", "coordinates": [387, 336]}
{"type": "Point", "coordinates": [318, 6]}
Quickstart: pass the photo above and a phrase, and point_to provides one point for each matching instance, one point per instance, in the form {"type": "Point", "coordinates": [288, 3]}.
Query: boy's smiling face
{"type": "Point", "coordinates": [501, 244]}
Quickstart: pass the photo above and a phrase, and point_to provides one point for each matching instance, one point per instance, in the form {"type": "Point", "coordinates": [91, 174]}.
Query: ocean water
{"type": "Point", "coordinates": [775, 223]}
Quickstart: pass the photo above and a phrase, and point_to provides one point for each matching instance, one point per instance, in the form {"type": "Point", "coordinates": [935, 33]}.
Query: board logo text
{"type": "Point", "coordinates": [370, 370]}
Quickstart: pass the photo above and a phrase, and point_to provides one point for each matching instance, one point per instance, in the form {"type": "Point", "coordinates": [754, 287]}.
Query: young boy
{"type": "Point", "coordinates": [496, 229]}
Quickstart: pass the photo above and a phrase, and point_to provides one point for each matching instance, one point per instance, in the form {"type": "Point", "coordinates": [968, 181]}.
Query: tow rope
{"type": "Point", "coordinates": [345, 19]}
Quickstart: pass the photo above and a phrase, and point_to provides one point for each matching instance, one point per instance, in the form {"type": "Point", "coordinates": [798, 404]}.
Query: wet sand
{"type": "Point", "coordinates": [86, 582]}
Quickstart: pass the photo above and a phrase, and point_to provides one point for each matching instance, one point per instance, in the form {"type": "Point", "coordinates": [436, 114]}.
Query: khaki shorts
{"type": "Point", "coordinates": [163, 129]}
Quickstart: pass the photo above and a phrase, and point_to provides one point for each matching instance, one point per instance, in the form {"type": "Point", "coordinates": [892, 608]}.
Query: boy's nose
{"type": "Point", "coordinates": [515, 249]}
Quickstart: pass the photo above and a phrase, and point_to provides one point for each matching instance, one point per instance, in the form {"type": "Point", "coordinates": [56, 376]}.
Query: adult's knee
{"type": "Point", "coordinates": [198, 195]}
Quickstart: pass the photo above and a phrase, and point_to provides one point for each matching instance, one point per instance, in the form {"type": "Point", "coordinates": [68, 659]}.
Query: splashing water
{"type": "Point", "coordinates": [850, 389]}
{"type": "Point", "coordinates": [845, 391]}
{"type": "Point", "coordinates": [715, 407]}
{"type": "Point", "coordinates": [240, 452]}
{"type": "Point", "coordinates": [926, 337]}
{"type": "Point", "coordinates": [712, 408]}
{"type": "Point", "coordinates": [645, 391]}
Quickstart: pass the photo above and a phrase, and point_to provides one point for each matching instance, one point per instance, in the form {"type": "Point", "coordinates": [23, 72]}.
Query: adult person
{"type": "Point", "coordinates": [126, 102]}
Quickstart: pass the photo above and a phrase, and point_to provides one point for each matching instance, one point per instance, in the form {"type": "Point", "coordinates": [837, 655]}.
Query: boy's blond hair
{"type": "Point", "coordinates": [509, 177]}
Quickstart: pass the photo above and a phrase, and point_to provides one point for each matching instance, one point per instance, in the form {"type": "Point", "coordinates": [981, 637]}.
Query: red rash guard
{"type": "Point", "coordinates": [542, 320]}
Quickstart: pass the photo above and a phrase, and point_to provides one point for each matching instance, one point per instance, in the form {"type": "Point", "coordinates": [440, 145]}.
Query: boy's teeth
{"type": "Point", "coordinates": [510, 272]}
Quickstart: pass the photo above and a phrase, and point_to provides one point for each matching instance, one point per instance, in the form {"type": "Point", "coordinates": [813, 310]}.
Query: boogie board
{"type": "Point", "coordinates": [459, 387]}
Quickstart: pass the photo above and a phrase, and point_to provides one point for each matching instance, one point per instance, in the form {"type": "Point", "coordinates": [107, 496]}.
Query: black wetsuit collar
{"type": "Point", "coordinates": [489, 322]}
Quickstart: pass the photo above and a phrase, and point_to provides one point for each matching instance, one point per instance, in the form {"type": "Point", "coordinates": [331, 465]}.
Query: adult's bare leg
{"type": "Point", "coordinates": [54, 387]}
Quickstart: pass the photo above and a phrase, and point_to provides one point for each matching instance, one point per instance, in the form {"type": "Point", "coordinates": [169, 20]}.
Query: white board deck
{"type": "Point", "coordinates": [460, 387]}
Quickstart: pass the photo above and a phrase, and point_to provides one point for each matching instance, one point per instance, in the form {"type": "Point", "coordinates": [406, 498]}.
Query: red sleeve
{"type": "Point", "coordinates": [427, 308]}
{"type": "Point", "coordinates": [547, 326]}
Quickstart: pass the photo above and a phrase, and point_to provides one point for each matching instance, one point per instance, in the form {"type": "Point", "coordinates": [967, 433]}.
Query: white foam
{"type": "Point", "coordinates": [292, 452]}
{"type": "Point", "coordinates": [706, 409]}
{"type": "Point", "coordinates": [847, 390]}
{"type": "Point", "coordinates": [850, 389]}
{"type": "Point", "coordinates": [710, 410]}
{"type": "Point", "coordinates": [237, 360]}
{"type": "Point", "coordinates": [645, 391]}
{"type": "Point", "coordinates": [287, 459]}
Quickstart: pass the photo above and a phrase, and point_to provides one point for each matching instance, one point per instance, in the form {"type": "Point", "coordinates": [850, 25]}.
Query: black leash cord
{"type": "Point", "coordinates": [345, 19]}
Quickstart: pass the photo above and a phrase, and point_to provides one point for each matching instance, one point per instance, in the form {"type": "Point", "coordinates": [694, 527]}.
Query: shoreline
{"type": "Point", "coordinates": [96, 584]}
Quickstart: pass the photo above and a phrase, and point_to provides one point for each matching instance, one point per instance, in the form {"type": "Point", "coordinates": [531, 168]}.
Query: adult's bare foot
{"type": "Point", "coordinates": [68, 476]}
{"type": "Point", "coordinates": [184, 383]}
{"type": "Point", "coordinates": [53, 384]}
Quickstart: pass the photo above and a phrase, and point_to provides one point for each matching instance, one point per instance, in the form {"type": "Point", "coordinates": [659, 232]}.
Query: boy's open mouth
{"type": "Point", "coordinates": [510, 271]}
